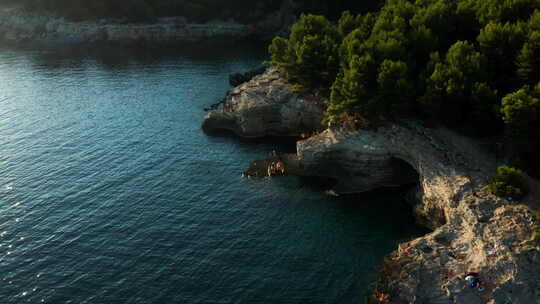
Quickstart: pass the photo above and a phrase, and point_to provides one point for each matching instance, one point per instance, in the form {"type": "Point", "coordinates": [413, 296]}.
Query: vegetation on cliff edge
{"type": "Point", "coordinates": [471, 65]}
{"type": "Point", "coordinates": [509, 183]}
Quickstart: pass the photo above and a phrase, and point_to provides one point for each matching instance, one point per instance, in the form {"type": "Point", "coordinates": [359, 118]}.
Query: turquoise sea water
{"type": "Point", "coordinates": [111, 193]}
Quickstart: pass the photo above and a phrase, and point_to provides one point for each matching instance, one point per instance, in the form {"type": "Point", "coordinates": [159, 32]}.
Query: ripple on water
{"type": "Point", "coordinates": [111, 193]}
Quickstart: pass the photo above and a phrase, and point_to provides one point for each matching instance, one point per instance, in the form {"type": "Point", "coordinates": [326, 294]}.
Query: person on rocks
{"type": "Point", "coordinates": [271, 169]}
{"type": "Point", "coordinates": [473, 279]}
{"type": "Point", "coordinates": [280, 167]}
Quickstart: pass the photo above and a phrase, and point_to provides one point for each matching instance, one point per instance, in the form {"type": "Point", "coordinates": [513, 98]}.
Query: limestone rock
{"type": "Point", "coordinates": [473, 230]}
{"type": "Point", "coordinates": [266, 105]}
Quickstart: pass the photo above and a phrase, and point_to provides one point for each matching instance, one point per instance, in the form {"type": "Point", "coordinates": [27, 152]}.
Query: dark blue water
{"type": "Point", "coordinates": [111, 193]}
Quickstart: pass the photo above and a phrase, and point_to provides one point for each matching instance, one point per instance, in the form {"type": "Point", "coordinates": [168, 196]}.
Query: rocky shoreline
{"type": "Point", "coordinates": [18, 26]}
{"type": "Point", "coordinates": [472, 229]}
{"type": "Point", "coordinates": [266, 106]}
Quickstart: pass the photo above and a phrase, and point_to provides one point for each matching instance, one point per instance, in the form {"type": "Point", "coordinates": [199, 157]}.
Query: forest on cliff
{"type": "Point", "coordinates": [243, 11]}
{"type": "Point", "coordinates": [471, 65]}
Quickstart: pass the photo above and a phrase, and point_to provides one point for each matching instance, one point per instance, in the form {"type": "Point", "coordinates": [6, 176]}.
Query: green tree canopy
{"type": "Point", "coordinates": [521, 108]}
{"type": "Point", "coordinates": [448, 61]}
{"type": "Point", "coordinates": [310, 55]}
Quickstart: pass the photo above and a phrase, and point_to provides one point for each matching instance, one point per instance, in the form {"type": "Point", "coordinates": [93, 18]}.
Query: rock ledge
{"type": "Point", "coordinates": [472, 229]}
{"type": "Point", "coordinates": [266, 106]}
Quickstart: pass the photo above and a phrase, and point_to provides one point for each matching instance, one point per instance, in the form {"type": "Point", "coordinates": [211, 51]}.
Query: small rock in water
{"type": "Point", "coordinates": [331, 193]}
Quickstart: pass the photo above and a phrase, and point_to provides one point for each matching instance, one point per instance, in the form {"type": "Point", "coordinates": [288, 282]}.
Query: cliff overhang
{"type": "Point", "coordinates": [267, 105]}
{"type": "Point", "coordinates": [472, 230]}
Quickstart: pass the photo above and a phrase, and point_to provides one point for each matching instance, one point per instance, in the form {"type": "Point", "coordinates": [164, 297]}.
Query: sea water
{"type": "Point", "coordinates": [111, 193]}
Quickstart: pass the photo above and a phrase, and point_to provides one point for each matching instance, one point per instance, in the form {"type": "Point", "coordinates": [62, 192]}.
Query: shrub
{"type": "Point", "coordinates": [520, 109]}
{"type": "Point", "coordinates": [509, 182]}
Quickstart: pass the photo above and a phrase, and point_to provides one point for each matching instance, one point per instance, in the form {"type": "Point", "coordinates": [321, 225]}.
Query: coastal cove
{"type": "Point", "coordinates": [292, 151]}
{"type": "Point", "coordinates": [473, 230]}
{"type": "Point", "coordinates": [111, 192]}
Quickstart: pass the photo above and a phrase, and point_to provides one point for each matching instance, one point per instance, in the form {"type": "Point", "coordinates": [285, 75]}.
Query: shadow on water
{"type": "Point", "coordinates": [138, 198]}
{"type": "Point", "coordinates": [400, 207]}
{"type": "Point", "coordinates": [278, 144]}
{"type": "Point", "coordinates": [383, 214]}
{"type": "Point", "coordinates": [400, 217]}
{"type": "Point", "coordinates": [388, 205]}
{"type": "Point", "coordinates": [395, 199]}
{"type": "Point", "coordinates": [317, 183]}
{"type": "Point", "coordinates": [118, 57]}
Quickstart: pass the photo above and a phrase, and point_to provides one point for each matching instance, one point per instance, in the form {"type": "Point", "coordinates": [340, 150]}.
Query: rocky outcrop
{"type": "Point", "coordinates": [473, 230]}
{"type": "Point", "coordinates": [264, 106]}
{"type": "Point", "coordinates": [19, 26]}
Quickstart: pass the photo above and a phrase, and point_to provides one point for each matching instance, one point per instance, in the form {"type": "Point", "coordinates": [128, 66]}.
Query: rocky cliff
{"type": "Point", "coordinates": [266, 105]}
{"type": "Point", "coordinates": [472, 229]}
{"type": "Point", "coordinates": [19, 26]}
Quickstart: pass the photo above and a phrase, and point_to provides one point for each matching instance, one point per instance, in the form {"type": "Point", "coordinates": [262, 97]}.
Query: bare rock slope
{"type": "Point", "coordinates": [473, 230]}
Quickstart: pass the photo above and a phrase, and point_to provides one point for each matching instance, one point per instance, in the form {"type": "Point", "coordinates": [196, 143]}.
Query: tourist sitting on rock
{"type": "Point", "coordinates": [473, 279]}
{"type": "Point", "coordinates": [280, 167]}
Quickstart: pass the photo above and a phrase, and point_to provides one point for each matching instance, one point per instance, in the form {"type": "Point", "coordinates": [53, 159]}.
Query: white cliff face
{"type": "Point", "coordinates": [473, 230]}
{"type": "Point", "coordinates": [368, 159]}
{"type": "Point", "coordinates": [266, 105]}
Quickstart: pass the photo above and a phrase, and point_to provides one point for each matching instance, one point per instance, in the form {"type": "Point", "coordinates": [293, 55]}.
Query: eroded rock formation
{"type": "Point", "coordinates": [266, 105]}
{"type": "Point", "coordinates": [472, 229]}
